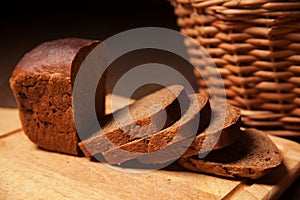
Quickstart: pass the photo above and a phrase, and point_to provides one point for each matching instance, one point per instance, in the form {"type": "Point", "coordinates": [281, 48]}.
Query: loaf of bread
{"type": "Point", "coordinates": [252, 156]}
{"type": "Point", "coordinates": [179, 127]}
{"type": "Point", "coordinates": [42, 83]}
{"type": "Point", "coordinates": [121, 128]}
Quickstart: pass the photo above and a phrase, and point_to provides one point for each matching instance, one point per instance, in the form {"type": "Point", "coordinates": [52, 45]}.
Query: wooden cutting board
{"type": "Point", "coordinates": [27, 172]}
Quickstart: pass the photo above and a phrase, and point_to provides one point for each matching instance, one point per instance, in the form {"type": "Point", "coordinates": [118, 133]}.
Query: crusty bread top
{"type": "Point", "coordinates": [251, 156]}
{"type": "Point", "coordinates": [42, 85]}
{"type": "Point", "coordinates": [55, 56]}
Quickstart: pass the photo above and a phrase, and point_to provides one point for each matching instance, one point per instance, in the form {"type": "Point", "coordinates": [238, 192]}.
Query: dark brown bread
{"type": "Point", "coordinates": [137, 120]}
{"type": "Point", "coordinates": [42, 84]}
{"type": "Point", "coordinates": [223, 130]}
{"type": "Point", "coordinates": [252, 156]}
{"type": "Point", "coordinates": [187, 126]}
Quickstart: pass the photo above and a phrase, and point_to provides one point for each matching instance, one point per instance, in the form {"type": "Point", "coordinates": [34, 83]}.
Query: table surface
{"type": "Point", "coordinates": [292, 193]}
{"type": "Point", "coordinates": [30, 166]}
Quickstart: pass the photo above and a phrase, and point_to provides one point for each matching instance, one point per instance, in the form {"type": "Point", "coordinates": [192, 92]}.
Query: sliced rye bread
{"type": "Point", "coordinates": [217, 135]}
{"type": "Point", "coordinates": [252, 156]}
{"type": "Point", "coordinates": [167, 145]}
{"type": "Point", "coordinates": [223, 130]}
{"type": "Point", "coordinates": [145, 116]}
{"type": "Point", "coordinates": [187, 126]}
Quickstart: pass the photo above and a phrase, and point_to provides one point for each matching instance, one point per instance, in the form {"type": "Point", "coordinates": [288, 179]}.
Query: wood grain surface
{"type": "Point", "coordinates": [9, 121]}
{"type": "Point", "coordinates": [27, 172]}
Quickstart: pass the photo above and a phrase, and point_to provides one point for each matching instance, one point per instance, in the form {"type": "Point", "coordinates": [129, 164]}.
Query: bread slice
{"type": "Point", "coordinates": [42, 83]}
{"type": "Point", "coordinates": [252, 156]}
{"type": "Point", "coordinates": [223, 131]}
{"type": "Point", "coordinates": [137, 120]}
{"type": "Point", "coordinates": [187, 126]}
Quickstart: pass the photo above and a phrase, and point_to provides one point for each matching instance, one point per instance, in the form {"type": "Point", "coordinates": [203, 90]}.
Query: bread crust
{"type": "Point", "coordinates": [42, 83]}
{"type": "Point", "coordinates": [114, 134]}
{"type": "Point", "coordinates": [169, 139]}
{"type": "Point", "coordinates": [215, 137]}
{"type": "Point", "coordinates": [252, 156]}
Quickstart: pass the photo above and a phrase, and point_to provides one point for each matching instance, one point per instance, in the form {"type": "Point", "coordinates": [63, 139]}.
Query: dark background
{"type": "Point", "coordinates": [25, 24]}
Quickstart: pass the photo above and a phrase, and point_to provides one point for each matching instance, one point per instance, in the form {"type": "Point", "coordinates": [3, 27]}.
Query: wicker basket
{"type": "Point", "coordinates": [256, 46]}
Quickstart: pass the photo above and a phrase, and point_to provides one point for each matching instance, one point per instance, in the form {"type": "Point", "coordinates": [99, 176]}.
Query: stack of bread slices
{"type": "Point", "coordinates": [200, 137]}
{"type": "Point", "coordinates": [163, 127]}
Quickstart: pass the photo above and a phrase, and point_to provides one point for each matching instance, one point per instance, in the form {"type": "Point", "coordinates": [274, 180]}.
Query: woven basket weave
{"type": "Point", "coordinates": [256, 47]}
